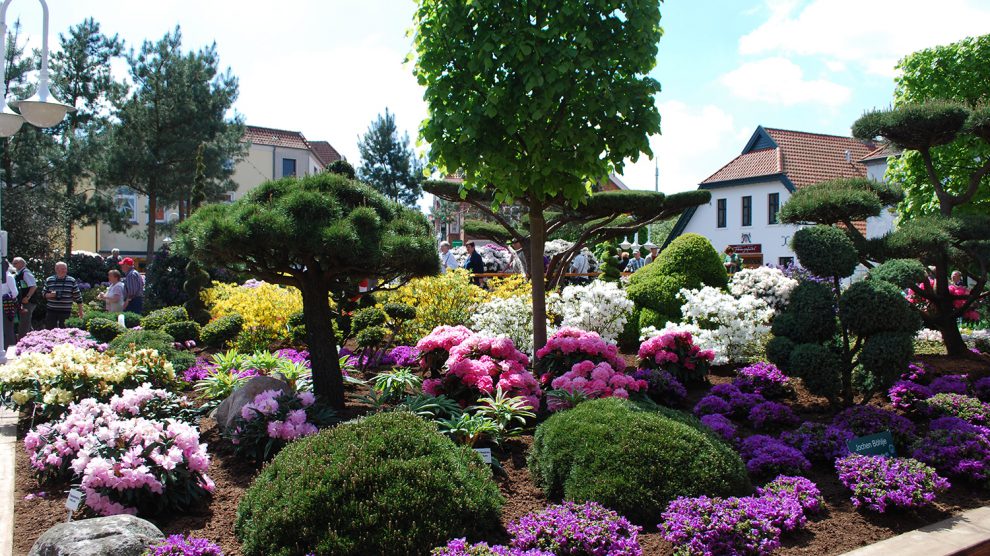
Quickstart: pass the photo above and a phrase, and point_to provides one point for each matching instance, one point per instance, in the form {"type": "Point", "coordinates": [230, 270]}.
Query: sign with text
{"type": "Point", "coordinates": [747, 248]}
{"type": "Point", "coordinates": [486, 454]}
{"type": "Point", "coordinates": [879, 444]}
{"type": "Point", "coordinates": [73, 501]}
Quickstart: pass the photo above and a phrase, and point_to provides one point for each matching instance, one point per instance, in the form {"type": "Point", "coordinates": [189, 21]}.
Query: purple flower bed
{"type": "Point", "coordinates": [711, 405]}
{"type": "Point", "coordinates": [740, 403]}
{"type": "Point", "coordinates": [818, 441]}
{"type": "Point", "coordinates": [950, 384]}
{"type": "Point", "coordinates": [179, 545]}
{"type": "Point", "coordinates": [862, 420]}
{"type": "Point", "coordinates": [722, 426]}
{"type": "Point", "coordinates": [765, 456]}
{"type": "Point", "coordinates": [956, 448]}
{"type": "Point", "coordinates": [906, 394]}
{"type": "Point", "coordinates": [571, 528]}
{"type": "Point", "coordinates": [801, 489]}
{"type": "Point", "coordinates": [772, 416]}
{"type": "Point", "coordinates": [966, 408]}
{"type": "Point", "coordinates": [918, 372]}
{"type": "Point", "coordinates": [764, 379]}
{"type": "Point", "coordinates": [405, 356]}
{"type": "Point", "coordinates": [43, 341]}
{"type": "Point", "coordinates": [879, 483]}
{"type": "Point", "coordinates": [300, 357]}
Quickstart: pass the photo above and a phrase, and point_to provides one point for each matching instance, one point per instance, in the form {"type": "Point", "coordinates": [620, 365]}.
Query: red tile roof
{"type": "Point", "coordinates": [275, 137]}
{"type": "Point", "coordinates": [325, 152]}
{"type": "Point", "coordinates": [883, 151]}
{"type": "Point", "coordinates": [805, 158]}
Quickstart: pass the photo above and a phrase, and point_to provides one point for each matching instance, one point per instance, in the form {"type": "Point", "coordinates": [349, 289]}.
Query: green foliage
{"type": "Point", "coordinates": [367, 318]}
{"type": "Point", "coordinates": [388, 484]}
{"type": "Point", "coordinates": [689, 261]}
{"type": "Point", "coordinates": [779, 350]}
{"type": "Point", "coordinates": [220, 332]}
{"type": "Point", "coordinates": [341, 167]}
{"type": "Point", "coordinates": [509, 413]}
{"type": "Point", "coordinates": [825, 251]}
{"type": "Point", "coordinates": [183, 330]}
{"type": "Point", "coordinates": [388, 163]}
{"type": "Point", "coordinates": [883, 358]}
{"type": "Point", "coordinates": [156, 320]}
{"type": "Point", "coordinates": [130, 319]}
{"type": "Point", "coordinates": [197, 280]}
{"type": "Point", "coordinates": [399, 311]}
{"type": "Point", "coordinates": [834, 201]}
{"type": "Point", "coordinates": [256, 338]}
{"type": "Point", "coordinates": [810, 316]}
{"type": "Point", "coordinates": [430, 407]}
{"type": "Point", "coordinates": [153, 339]}
{"type": "Point", "coordinates": [391, 386]}
{"type": "Point", "coordinates": [872, 306]}
{"type": "Point", "coordinates": [900, 272]}
{"type": "Point", "coordinates": [819, 367]}
{"type": "Point", "coordinates": [104, 330]}
{"type": "Point", "coordinates": [87, 267]}
{"type": "Point", "coordinates": [914, 126]}
{"type": "Point", "coordinates": [630, 460]}
{"type": "Point", "coordinates": [467, 429]}
{"type": "Point", "coordinates": [164, 278]}
{"type": "Point", "coordinates": [483, 229]}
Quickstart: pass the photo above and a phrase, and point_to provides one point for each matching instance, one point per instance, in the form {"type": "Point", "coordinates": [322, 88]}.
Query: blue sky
{"type": "Point", "coordinates": [327, 68]}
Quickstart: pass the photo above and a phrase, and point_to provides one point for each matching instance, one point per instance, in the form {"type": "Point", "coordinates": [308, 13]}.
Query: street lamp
{"type": "Point", "coordinates": [41, 110]}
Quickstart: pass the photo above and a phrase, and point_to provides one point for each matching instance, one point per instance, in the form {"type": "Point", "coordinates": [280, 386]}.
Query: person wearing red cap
{"type": "Point", "coordinates": [133, 287]}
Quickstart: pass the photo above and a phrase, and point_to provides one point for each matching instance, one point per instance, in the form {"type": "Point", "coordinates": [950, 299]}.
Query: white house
{"type": "Point", "coordinates": [747, 193]}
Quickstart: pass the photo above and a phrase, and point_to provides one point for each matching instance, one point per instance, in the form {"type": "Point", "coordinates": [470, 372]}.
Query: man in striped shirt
{"type": "Point", "coordinates": [61, 290]}
{"type": "Point", "coordinates": [133, 287]}
{"type": "Point", "coordinates": [635, 263]}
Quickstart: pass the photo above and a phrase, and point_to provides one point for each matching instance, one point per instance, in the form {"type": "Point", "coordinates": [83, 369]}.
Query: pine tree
{"type": "Point", "coordinates": [388, 163]}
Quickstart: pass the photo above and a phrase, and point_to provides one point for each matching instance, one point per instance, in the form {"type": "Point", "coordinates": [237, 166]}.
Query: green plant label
{"type": "Point", "coordinates": [879, 444]}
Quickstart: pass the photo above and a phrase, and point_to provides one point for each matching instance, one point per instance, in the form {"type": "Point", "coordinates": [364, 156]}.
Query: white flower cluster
{"type": "Point", "coordinates": [734, 327]}
{"type": "Point", "coordinates": [599, 306]}
{"type": "Point", "coordinates": [768, 284]}
{"type": "Point", "coordinates": [510, 317]}
{"type": "Point", "coordinates": [928, 335]}
{"type": "Point", "coordinates": [556, 246]}
{"type": "Point", "coordinates": [495, 257]}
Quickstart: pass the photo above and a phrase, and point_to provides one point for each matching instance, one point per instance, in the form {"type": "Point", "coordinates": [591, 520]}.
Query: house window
{"type": "Point", "coordinates": [720, 216]}
{"type": "Point", "coordinates": [125, 201]}
{"type": "Point", "coordinates": [747, 211]}
{"type": "Point", "coordinates": [288, 167]}
{"type": "Point", "coordinates": [785, 261]}
{"type": "Point", "coordinates": [773, 207]}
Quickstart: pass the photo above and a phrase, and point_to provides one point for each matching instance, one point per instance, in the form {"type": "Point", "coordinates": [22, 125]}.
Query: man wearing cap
{"type": "Point", "coordinates": [653, 252]}
{"type": "Point", "coordinates": [133, 287]}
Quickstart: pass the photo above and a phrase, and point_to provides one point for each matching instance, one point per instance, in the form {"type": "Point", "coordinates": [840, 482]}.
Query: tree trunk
{"type": "Point", "coordinates": [951, 337]}
{"type": "Point", "coordinates": [537, 242]}
{"type": "Point", "coordinates": [152, 210]}
{"type": "Point", "coordinates": [328, 383]}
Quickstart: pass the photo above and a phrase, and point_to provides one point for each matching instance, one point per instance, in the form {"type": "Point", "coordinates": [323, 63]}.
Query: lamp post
{"type": "Point", "coordinates": [40, 110]}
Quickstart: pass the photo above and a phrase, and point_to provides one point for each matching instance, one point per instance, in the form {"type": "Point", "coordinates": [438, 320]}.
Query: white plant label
{"type": "Point", "coordinates": [486, 454]}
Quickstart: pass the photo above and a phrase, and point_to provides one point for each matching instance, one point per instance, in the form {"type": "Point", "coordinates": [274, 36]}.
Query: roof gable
{"type": "Point", "coordinates": [759, 141]}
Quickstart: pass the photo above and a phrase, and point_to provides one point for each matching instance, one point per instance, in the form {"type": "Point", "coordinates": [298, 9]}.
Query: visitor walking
{"type": "Point", "coordinates": [113, 298]}
{"type": "Point", "coordinates": [474, 263]}
{"type": "Point", "coordinates": [579, 265]}
{"type": "Point", "coordinates": [447, 259]}
{"type": "Point", "coordinates": [8, 291]}
{"type": "Point", "coordinates": [61, 291]}
{"type": "Point", "coordinates": [27, 286]}
{"type": "Point", "coordinates": [114, 260]}
{"type": "Point", "coordinates": [133, 287]}
{"type": "Point", "coordinates": [636, 262]}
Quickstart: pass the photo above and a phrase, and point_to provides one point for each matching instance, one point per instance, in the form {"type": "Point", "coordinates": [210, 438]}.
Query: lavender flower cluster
{"type": "Point", "coordinates": [819, 442]}
{"type": "Point", "coordinates": [179, 545]}
{"type": "Point", "coordinates": [906, 394]}
{"type": "Point", "coordinates": [722, 426]}
{"type": "Point", "coordinates": [405, 356]}
{"type": "Point", "coordinates": [44, 341]}
{"type": "Point", "coordinates": [879, 483]}
{"type": "Point", "coordinates": [956, 448]}
{"type": "Point", "coordinates": [766, 456]}
{"type": "Point", "coordinates": [664, 388]}
{"type": "Point", "coordinates": [950, 384]}
{"type": "Point", "coordinates": [772, 416]}
{"type": "Point", "coordinates": [749, 525]}
{"type": "Point", "coordinates": [764, 379]}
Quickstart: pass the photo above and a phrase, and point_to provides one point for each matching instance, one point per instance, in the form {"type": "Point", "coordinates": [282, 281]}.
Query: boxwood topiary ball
{"type": "Point", "coordinates": [825, 251]}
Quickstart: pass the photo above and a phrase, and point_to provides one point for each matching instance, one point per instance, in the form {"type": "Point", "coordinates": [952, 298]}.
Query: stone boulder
{"type": "Point", "coordinates": [230, 408]}
{"type": "Point", "coordinates": [118, 535]}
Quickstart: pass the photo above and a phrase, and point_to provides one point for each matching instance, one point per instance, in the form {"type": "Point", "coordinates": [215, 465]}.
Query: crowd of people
{"type": "Point", "coordinates": [62, 294]}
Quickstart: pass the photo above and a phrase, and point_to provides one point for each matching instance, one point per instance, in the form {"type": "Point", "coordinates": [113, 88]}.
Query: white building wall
{"type": "Point", "coordinates": [879, 225]}
{"type": "Point", "coordinates": [773, 238]}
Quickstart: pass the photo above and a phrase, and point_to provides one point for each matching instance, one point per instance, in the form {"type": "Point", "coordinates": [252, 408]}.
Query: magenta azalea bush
{"type": "Point", "coordinates": [764, 379]}
{"type": "Point", "coordinates": [273, 419]}
{"type": "Point", "coordinates": [179, 545]}
{"type": "Point", "coordinates": [862, 420]}
{"type": "Point", "coordinates": [404, 356]}
{"type": "Point", "coordinates": [956, 448]}
{"type": "Point", "coordinates": [587, 380]}
{"type": "Point", "coordinates": [766, 456]}
{"type": "Point", "coordinates": [818, 441]}
{"type": "Point", "coordinates": [479, 364]}
{"type": "Point", "coordinates": [460, 547]}
{"type": "Point", "coordinates": [676, 353]}
{"type": "Point", "coordinates": [772, 416]}
{"type": "Point", "coordinates": [434, 348]}
{"type": "Point", "coordinates": [966, 408]}
{"type": "Point", "coordinates": [570, 346]}
{"type": "Point", "coordinates": [879, 483]}
{"type": "Point", "coordinates": [950, 384]}
{"type": "Point", "coordinates": [905, 394]}
{"type": "Point", "coordinates": [918, 372]}
{"type": "Point", "coordinates": [571, 528]}
{"type": "Point", "coordinates": [712, 405]}
{"type": "Point", "coordinates": [801, 489]}
{"type": "Point", "coordinates": [722, 426]}
{"type": "Point", "coordinates": [43, 341]}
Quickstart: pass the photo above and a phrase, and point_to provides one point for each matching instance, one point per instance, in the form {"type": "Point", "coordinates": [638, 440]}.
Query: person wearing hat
{"type": "Point", "coordinates": [133, 287]}
{"type": "Point", "coordinates": [653, 252]}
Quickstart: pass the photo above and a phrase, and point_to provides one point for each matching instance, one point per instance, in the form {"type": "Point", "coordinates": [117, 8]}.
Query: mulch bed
{"type": "Point", "coordinates": [839, 529]}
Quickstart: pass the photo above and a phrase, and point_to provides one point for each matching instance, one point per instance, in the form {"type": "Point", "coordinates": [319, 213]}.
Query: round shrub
{"type": "Point", "coordinates": [810, 314]}
{"type": "Point", "coordinates": [221, 331]}
{"type": "Point", "coordinates": [779, 350]}
{"type": "Point", "coordinates": [142, 339]}
{"type": "Point", "coordinates": [825, 251]}
{"type": "Point", "coordinates": [900, 272]}
{"type": "Point", "coordinates": [104, 330]}
{"type": "Point", "coordinates": [183, 331]}
{"type": "Point", "coordinates": [156, 320]}
{"type": "Point", "coordinates": [818, 367]}
{"type": "Point", "coordinates": [388, 484]}
{"type": "Point", "coordinates": [630, 460]}
{"type": "Point", "coordinates": [872, 306]}
{"type": "Point", "coordinates": [882, 359]}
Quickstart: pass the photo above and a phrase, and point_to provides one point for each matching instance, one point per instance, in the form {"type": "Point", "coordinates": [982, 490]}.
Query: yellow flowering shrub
{"type": "Point", "coordinates": [69, 373]}
{"type": "Point", "coordinates": [265, 307]}
{"type": "Point", "coordinates": [514, 285]}
{"type": "Point", "coordinates": [448, 298]}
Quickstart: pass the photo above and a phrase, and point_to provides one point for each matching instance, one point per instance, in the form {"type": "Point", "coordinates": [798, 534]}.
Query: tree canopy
{"type": "Point", "coordinates": [322, 234]}
{"type": "Point", "coordinates": [537, 100]}
{"type": "Point", "coordinates": [388, 163]}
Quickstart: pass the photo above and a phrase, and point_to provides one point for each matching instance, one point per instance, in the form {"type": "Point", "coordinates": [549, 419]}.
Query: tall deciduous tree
{"type": "Point", "coordinates": [388, 163]}
{"type": "Point", "coordinates": [322, 234]}
{"type": "Point", "coordinates": [180, 102]}
{"type": "Point", "coordinates": [537, 100]}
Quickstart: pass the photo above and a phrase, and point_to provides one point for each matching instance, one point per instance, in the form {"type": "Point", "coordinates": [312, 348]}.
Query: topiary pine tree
{"type": "Point", "coordinates": [322, 234]}
{"type": "Point", "coordinates": [839, 343]}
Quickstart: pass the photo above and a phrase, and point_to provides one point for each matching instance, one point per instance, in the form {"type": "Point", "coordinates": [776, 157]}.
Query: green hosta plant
{"type": "Point", "coordinates": [508, 413]}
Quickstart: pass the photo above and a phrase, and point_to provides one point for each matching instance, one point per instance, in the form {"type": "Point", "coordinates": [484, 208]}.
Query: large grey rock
{"type": "Point", "coordinates": [230, 409]}
{"type": "Point", "coordinates": [118, 535]}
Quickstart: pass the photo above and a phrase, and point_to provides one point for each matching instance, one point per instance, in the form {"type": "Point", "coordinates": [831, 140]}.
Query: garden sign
{"type": "Point", "coordinates": [879, 444]}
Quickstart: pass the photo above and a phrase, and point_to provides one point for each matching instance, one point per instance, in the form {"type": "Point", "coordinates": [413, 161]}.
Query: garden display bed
{"type": "Point", "coordinates": [838, 529]}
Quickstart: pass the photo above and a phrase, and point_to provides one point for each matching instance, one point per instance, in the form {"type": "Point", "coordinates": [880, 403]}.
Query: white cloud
{"type": "Point", "coordinates": [873, 34]}
{"type": "Point", "coordinates": [781, 81]}
{"type": "Point", "coordinates": [696, 141]}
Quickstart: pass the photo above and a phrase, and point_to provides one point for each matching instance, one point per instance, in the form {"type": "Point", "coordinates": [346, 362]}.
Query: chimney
{"type": "Point", "coordinates": [848, 157]}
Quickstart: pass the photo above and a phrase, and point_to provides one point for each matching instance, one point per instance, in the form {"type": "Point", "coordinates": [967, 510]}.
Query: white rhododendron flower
{"type": "Point", "coordinates": [601, 307]}
{"type": "Point", "coordinates": [734, 328]}
{"type": "Point", "coordinates": [768, 284]}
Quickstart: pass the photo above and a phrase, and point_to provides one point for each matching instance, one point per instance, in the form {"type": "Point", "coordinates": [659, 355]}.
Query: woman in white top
{"type": "Point", "coordinates": [114, 296]}
{"type": "Point", "coordinates": [8, 291]}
